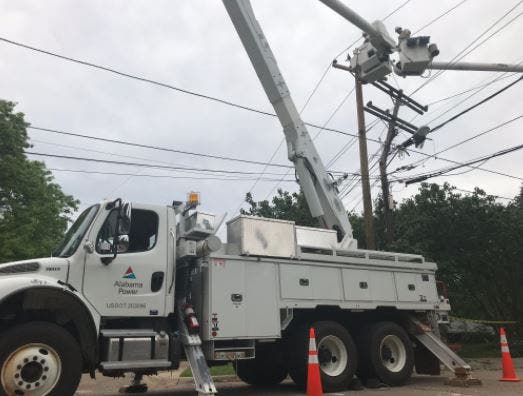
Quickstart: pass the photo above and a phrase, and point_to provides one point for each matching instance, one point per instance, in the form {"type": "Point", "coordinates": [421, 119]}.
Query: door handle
{"type": "Point", "coordinates": [236, 297]}
{"type": "Point", "coordinates": [157, 281]}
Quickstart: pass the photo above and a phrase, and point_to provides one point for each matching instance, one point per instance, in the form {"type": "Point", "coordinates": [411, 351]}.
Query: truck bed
{"type": "Point", "coordinates": [247, 297]}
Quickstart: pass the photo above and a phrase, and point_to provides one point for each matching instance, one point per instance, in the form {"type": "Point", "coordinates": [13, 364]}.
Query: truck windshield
{"type": "Point", "coordinates": [76, 232]}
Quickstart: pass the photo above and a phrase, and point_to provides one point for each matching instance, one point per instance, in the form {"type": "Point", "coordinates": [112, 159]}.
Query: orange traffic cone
{"type": "Point", "coordinates": [313, 369]}
{"type": "Point", "coordinates": [508, 368]}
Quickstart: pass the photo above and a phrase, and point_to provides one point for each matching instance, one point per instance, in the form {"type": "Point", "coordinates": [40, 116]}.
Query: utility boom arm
{"type": "Point", "coordinates": [318, 187]}
{"type": "Point", "coordinates": [372, 63]}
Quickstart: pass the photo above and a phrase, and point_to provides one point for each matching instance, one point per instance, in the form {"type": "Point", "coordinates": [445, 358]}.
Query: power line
{"type": "Point", "coordinates": [154, 166]}
{"type": "Point", "coordinates": [461, 163]}
{"type": "Point", "coordinates": [139, 164]}
{"type": "Point", "coordinates": [160, 148]}
{"type": "Point", "coordinates": [494, 128]}
{"type": "Point", "coordinates": [166, 176]}
{"type": "Point", "coordinates": [472, 89]}
{"type": "Point", "coordinates": [161, 84]}
{"type": "Point", "coordinates": [441, 172]}
{"type": "Point", "coordinates": [439, 17]}
{"type": "Point", "coordinates": [461, 113]}
{"type": "Point", "coordinates": [135, 77]}
{"type": "Point", "coordinates": [435, 156]}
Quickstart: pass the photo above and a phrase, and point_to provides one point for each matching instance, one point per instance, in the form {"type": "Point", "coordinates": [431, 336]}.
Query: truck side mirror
{"type": "Point", "coordinates": [124, 221]}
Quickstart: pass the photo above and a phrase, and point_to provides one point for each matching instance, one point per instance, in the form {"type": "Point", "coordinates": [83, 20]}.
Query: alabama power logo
{"type": "Point", "coordinates": [127, 286]}
{"type": "Point", "coordinates": [129, 274]}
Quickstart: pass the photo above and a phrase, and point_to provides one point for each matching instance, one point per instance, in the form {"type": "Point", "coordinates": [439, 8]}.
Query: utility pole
{"type": "Point", "coordinates": [364, 168]}
{"type": "Point", "coordinates": [385, 191]}
{"type": "Point", "coordinates": [394, 123]}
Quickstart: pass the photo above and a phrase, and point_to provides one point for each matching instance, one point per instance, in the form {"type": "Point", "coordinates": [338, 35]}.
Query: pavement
{"type": "Point", "coordinates": [170, 384]}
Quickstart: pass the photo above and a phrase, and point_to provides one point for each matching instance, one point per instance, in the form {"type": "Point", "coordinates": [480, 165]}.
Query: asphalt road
{"type": "Point", "coordinates": [170, 385]}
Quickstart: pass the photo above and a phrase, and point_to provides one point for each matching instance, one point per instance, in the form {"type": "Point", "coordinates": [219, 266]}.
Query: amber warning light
{"type": "Point", "coordinates": [193, 198]}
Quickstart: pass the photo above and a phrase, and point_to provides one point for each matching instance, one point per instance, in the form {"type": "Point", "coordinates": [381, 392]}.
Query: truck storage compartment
{"type": "Point", "coordinates": [240, 299]}
{"type": "Point", "coordinates": [257, 236]}
{"type": "Point", "coordinates": [416, 287]}
{"type": "Point", "coordinates": [316, 237]}
{"type": "Point", "coordinates": [368, 285]}
{"type": "Point", "coordinates": [306, 282]}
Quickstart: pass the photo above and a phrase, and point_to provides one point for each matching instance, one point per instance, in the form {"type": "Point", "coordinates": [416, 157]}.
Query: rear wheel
{"type": "Point", "coordinates": [265, 370]}
{"type": "Point", "coordinates": [39, 359]}
{"type": "Point", "coordinates": [386, 353]}
{"type": "Point", "coordinates": [337, 355]}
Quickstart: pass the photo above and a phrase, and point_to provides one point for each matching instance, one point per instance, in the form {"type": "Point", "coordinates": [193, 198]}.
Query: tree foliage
{"type": "Point", "coordinates": [476, 241]}
{"type": "Point", "coordinates": [284, 206]}
{"type": "Point", "coordinates": [34, 211]}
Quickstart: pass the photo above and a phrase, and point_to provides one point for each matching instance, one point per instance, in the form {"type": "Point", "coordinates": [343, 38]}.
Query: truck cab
{"type": "Point", "coordinates": [110, 280]}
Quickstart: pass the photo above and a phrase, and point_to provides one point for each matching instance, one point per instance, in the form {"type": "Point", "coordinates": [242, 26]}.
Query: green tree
{"type": "Point", "coordinates": [284, 206]}
{"type": "Point", "coordinates": [293, 206]}
{"type": "Point", "coordinates": [476, 242]}
{"type": "Point", "coordinates": [34, 211]}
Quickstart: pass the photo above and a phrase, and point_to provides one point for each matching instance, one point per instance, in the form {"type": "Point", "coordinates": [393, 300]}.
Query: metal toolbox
{"type": "Point", "coordinates": [199, 225]}
{"type": "Point", "coordinates": [258, 236]}
{"type": "Point", "coordinates": [316, 237]}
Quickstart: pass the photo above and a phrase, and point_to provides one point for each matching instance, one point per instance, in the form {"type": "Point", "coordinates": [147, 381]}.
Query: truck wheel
{"type": "Point", "coordinates": [386, 353]}
{"type": "Point", "coordinates": [337, 355]}
{"type": "Point", "coordinates": [265, 370]}
{"type": "Point", "coordinates": [38, 359]}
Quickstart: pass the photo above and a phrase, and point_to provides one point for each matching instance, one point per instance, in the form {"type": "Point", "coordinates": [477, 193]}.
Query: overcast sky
{"type": "Point", "coordinates": [193, 45]}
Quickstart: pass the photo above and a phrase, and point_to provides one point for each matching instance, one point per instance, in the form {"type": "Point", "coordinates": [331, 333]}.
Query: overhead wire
{"type": "Point", "coordinates": [146, 165]}
{"type": "Point", "coordinates": [474, 106]}
{"type": "Point", "coordinates": [441, 172]}
{"type": "Point", "coordinates": [165, 176]}
{"type": "Point", "coordinates": [475, 136]}
{"type": "Point", "coordinates": [440, 16]}
{"type": "Point", "coordinates": [471, 89]}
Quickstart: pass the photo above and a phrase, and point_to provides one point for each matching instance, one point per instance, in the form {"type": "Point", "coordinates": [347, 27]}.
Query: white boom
{"type": "Point", "coordinates": [475, 66]}
{"type": "Point", "coordinates": [371, 61]}
{"type": "Point", "coordinates": [318, 187]}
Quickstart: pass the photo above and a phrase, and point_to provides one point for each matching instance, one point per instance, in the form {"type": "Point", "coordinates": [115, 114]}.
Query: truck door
{"type": "Point", "coordinates": [134, 283]}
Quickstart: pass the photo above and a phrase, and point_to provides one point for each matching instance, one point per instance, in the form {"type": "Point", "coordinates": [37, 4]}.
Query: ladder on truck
{"type": "Point", "coordinates": [192, 344]}
{"type": "Point", "coordinates": [461, 369]}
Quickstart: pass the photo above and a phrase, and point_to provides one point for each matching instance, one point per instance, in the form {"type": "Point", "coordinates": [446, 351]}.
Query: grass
{"type": "Point", "coordinates": [479, 350]}
{"type": "Point", "coordinates": [488, 350]}
{"type": "Point", "coordinates": [225, 369]}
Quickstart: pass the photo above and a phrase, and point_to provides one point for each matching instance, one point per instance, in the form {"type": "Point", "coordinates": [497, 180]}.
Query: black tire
{"type": "Point", "coordinates": [298, 350]}
{"type": "Point", "coordinates": [265, 370]}
{"type": "Point", "coordinates": [377, 360]}
{"type": "Point", "coordinates": [55, 338]}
